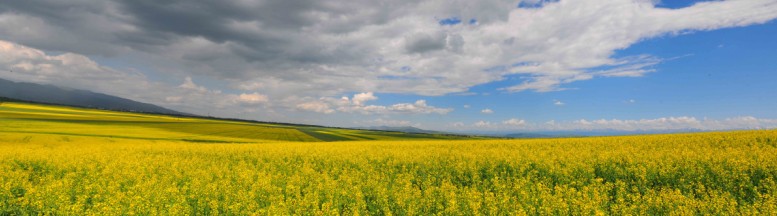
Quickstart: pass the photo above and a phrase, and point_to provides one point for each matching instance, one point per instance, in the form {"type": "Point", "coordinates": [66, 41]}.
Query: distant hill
{"type": "Point", "coordinates": [406, 129]}
{"type": "Point", "coordinates": [74, 97]}
{"type": "Point", "coordinates": [49, 119]}
{"type": "Point", "coordinates": [589, 133]}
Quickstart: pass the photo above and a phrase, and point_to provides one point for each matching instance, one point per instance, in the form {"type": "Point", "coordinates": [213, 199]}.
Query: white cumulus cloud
{"type": "Point", "coordinates": [316, 106]}
{"type": "Point", "coordinates": [482, 124]}
{"type": "Point", "coordinates": [253, 98]}
{"type": "Point", "coordinates": [487, 111]}
{"type": "Point", "coordinates": [680, 123]}
{"type": "Point", "coordinates": [360, 98]}
{"type": "Point", "coordinates": [391, 122]}
{"type": "Point", "coordinates": [357, 105]}
{"type": "Point", "coordinates": [558, 103]}
{"type": "Point", "coordinates": [514, 122]}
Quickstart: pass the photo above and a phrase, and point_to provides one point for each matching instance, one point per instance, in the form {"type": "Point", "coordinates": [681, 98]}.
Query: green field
{"type": "Point", "coordinates": [69, 161]}
{"type": "Point", "coordinates": [56, 120]}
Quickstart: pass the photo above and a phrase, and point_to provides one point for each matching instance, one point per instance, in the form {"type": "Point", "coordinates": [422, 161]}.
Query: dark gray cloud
{"type": "Point", "coordinates": [233, 40]}
{"type": "Point", "coordinates": [211, 19]}
{"type": "Point", "coordinates": [65, 13]}
{"type": "Point", "coordinates": [422, 43]}
{"type": "Point", "coordinates": [254, 30]}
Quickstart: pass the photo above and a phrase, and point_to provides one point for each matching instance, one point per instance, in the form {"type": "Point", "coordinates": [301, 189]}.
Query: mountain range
{"type": "Point", "coordinates": [50, 94]}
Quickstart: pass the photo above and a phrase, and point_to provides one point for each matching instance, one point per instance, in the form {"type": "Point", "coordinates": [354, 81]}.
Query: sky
{"type": "Point", "coordinates": [491, 65]}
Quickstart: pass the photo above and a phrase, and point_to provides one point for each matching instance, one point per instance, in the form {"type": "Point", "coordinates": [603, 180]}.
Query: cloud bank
{"type": "Point", "coordinates": [317, 48]}
{"type": "Point", "coordinates": [300, 56]}
{"type": "Point", "coordinates": [656, 124]}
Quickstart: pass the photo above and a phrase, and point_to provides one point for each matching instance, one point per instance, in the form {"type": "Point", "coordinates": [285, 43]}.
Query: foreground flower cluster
{"type": "Point", "coordinates": [705, 173]}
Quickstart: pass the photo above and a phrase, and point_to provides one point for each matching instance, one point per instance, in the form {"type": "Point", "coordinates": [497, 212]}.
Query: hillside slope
{"type": "Point", "coordinates": [74, 97]}
{"type": "Point", "coordinates": [48, 119]}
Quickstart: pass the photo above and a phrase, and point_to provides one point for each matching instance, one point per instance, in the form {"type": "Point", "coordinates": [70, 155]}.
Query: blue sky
{"type": "Point", "coordinates": [489, 66]}
{"type": "Point", "coordinates": [713, 74]}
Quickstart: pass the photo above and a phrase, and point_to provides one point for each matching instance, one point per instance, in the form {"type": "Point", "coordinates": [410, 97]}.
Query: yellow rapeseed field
{"type": "Point", "coordinates": [62, 166]}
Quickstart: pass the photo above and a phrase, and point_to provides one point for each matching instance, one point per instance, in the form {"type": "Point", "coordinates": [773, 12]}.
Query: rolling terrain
{"type": "Point", "coordinates": [60, 120]}
{"type": "Point", "coordinates": [70, 161]}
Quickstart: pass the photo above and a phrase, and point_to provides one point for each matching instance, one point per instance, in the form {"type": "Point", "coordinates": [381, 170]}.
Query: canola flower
{"type": "Point", "coordinates": [707, 173]}
{"type": "Point", "coordinates": [722, 173]}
